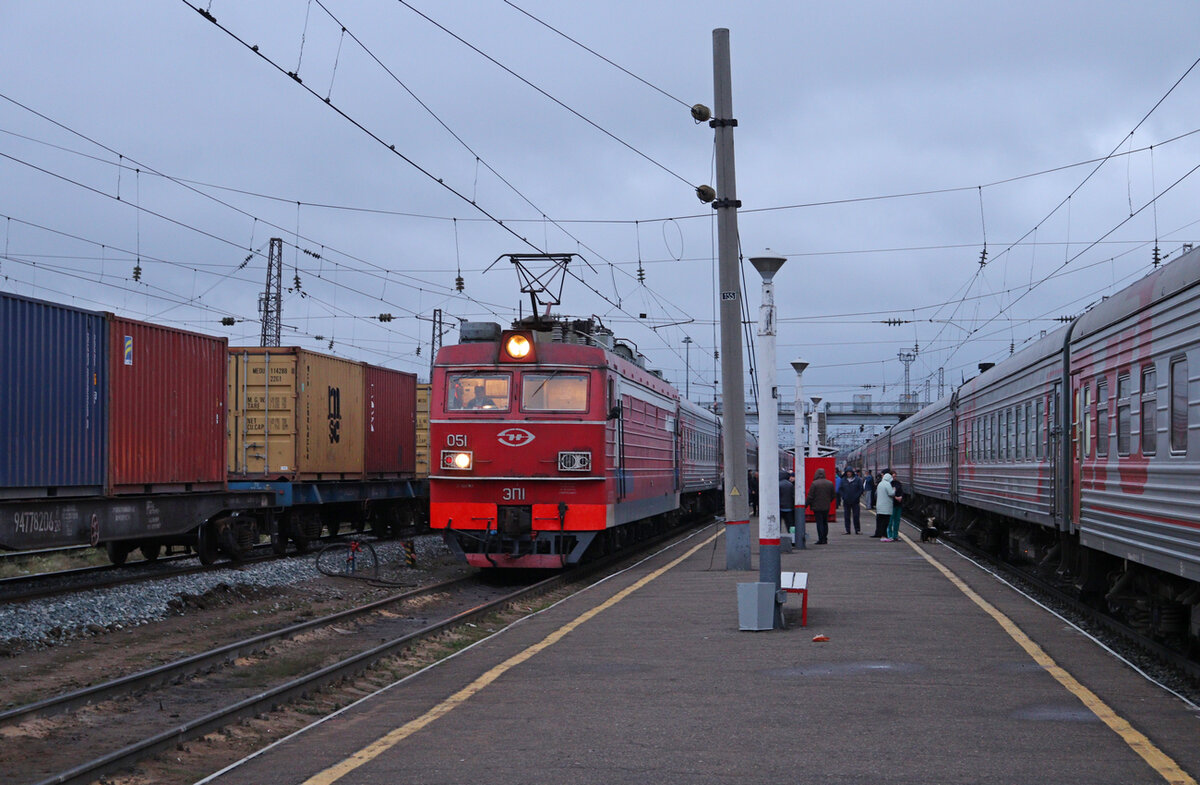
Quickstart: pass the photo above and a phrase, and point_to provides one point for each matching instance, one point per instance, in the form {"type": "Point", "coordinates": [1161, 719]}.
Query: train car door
{"type": "Point", "coordinates": [1054, 431]}
{"type": "Point", "coordinates": [1079, 448]}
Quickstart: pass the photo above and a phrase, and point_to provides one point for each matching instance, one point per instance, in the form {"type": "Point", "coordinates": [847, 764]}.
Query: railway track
{"type": "Point", "coordinates": [165, 707]}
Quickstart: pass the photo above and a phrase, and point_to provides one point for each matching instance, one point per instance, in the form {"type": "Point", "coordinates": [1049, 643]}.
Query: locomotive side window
{"type": "Point", "coordinates": [1102, 418]}
{"type": "Point", "coordinates": [1123, 414]}
{"type": "Point", "coordinates": [1149, 410]}
{"type": "Point", "coordinates": [485, 391]}
{"type": "Point", "coordinates": [554, 392]}
{"type": "Point", "coordinates": [1179, 406]}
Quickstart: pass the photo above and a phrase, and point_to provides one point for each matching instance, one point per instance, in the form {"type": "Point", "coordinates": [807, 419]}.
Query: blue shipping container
{"type": "Point", "coordinates": [53, 399]}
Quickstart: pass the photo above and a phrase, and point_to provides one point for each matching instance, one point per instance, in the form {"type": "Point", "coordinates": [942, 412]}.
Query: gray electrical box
{"type": "Point", "coordinates": [756, 606]}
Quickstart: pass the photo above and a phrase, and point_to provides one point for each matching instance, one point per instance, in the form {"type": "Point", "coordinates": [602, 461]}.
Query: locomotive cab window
{"type": "Point", "coordinates": [483, 391]}
{"type": "Point", "coordinates": [554, 392]}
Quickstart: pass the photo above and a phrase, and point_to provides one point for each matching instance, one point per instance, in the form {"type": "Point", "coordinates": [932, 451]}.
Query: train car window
{"type": "Point", "coordinates": [1123, 414]}
{"type": "Point", "coordinates": [1030, 431]}
{"type": "Point", "coordinates": [554, 392]}
{"type": "Point", "coordinates": [1179, 406]}
{"type": "Point", "coordinates": [487, 391]}
{"type": "Point", "coordinates": [1149, 410]}
{"type": "Point", "coordinates": [1076, 429]}
{"type": "Point", "coordinates": [1009, 435]}
{"type": "Point", "coordinates": [1102, 418]}
{"type": "Point", "coordinates": [1020, 434]}
{"type": "Point", "coordinates": [1086, 415]}
{"type": "Point", "coordinates": [1040, 441]}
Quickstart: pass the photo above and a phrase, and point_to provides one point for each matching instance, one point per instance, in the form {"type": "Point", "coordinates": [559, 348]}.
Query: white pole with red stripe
{"type": "Point", "coordinates": [768, 263]}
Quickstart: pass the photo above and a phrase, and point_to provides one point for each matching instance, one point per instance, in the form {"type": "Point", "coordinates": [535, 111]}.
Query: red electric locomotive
{"type": "Point", "coordinates": [550, 439]}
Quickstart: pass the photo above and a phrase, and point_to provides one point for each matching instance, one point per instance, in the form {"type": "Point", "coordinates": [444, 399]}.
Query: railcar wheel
{"type": "Point", "coordinates": [118, 552]}
{"type": "Point", "coordinates": [206, 544]}
{"type": "Point", "coordinates": [150, 551]}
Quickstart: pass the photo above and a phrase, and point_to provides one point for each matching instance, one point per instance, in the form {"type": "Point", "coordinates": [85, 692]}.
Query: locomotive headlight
{"type": "Point", "coordinates": [517, 347]}
{"type": "Point", "coordinates": [457, 459]}
{"type": "Point", "coordinates": [575, 461]}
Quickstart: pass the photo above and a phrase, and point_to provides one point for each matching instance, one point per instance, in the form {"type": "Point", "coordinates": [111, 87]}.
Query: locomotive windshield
{"type": "Point", "coordinates": [477, 391]}
{"type": "Point", "coordinates": [557, 392]}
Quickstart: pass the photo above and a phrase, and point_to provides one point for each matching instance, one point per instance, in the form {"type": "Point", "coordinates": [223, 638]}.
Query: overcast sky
{"type": "Point", "coordinates": [879, 147]}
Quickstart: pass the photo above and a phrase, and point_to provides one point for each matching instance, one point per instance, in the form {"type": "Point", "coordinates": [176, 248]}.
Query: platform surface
{"type": "Point", "coordinates": [929, 675]}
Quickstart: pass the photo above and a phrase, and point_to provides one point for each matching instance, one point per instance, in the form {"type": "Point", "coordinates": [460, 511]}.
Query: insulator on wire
{"type": "Point", "coordinates": [458, 283]}
{"type": "Point", "coordinates": [137, 272]}
{"type": "Point", "coordinates": [385, 317]}
{"type": "Point", "coordinates": [296, 282]}
{"type": "Point", "coordinates": [228, 321]}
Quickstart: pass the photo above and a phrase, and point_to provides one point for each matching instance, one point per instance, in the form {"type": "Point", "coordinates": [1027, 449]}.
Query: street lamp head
{"type": "Point", "coordinates": [767, 263]}
{"type": "Point", "coordinates": [816, 399]}
{"type": "Point", "coordinates": [798, 366]}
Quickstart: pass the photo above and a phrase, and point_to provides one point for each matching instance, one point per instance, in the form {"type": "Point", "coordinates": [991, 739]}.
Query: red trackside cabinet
{"type": "Point", "coordinates": [166, 408]}
{"type": "Point", "coordinates": [829, 464]}
{"type": "Point", "coordinates": [390, 402]}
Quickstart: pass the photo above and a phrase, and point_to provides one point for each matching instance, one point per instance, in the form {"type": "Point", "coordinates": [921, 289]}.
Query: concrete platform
{"type": "Point", "coordinates": [931, 674]}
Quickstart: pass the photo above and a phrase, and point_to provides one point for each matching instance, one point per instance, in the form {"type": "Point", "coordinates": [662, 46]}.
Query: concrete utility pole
{"type": "Point", "coordinates": [768, 263]}
{"type": "Point", "coordinates": [733, 391]}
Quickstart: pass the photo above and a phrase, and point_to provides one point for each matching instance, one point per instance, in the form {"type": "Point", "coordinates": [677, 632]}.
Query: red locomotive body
{"type": "Point", "coordinates": [541, 448]}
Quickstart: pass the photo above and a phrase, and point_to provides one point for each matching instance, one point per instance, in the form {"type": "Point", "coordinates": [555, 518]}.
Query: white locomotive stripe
{"type": "Point", "coordinates": [385, 743]}
{"type": "Point", "coordinates": [1137, 741]}
{"type": "Point", "coordinates": [495, 420]}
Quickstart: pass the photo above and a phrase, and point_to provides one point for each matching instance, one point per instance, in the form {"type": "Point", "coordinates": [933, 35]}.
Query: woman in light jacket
{"type": "Point", "coordinates": [883, 505]}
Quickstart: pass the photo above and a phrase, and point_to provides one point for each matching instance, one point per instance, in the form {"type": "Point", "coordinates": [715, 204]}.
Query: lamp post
{"type": "Point", "coordinates": [767, 264]}
{"type": "Point", "coordinates": [812, 427]}
{"type": "Point", "coordinates": [799, 541]}
{"type": "Point", "coordinates": [687, 365]}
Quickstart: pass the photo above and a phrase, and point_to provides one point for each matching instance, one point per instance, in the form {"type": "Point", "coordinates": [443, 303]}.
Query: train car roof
{"type": "Point", "coordinates": [1171, 278]}
{"type": "Point", "coordinates": [1039, 350]}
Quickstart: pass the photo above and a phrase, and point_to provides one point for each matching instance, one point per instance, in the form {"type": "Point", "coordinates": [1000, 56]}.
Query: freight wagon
{"type": "Point", "coordinates": [129, 435]}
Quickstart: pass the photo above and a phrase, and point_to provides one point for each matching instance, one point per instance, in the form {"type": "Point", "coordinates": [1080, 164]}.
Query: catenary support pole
{"type": "Point", "coordinates": [733, 391]}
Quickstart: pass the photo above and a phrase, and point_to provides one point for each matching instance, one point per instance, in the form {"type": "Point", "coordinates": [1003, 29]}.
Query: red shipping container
{"type": "Point", "coordinates": [390, 400]}
{"type": "Point", "coordinates": [166, 408]}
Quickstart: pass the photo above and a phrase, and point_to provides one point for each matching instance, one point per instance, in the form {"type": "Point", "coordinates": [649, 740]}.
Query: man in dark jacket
{"type": "Point", "coordinates": [850, 491]}
{"type": "Point", "coordinates": [820, 495]}
{"type": "Point", "coordinates": [787, 504]}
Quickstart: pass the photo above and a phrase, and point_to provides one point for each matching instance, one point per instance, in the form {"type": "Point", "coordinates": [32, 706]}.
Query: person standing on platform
{"type": "Point", "coordinates": [820, 495]}
{"type": "Point", "coordinates": [893, 532]}
{"type": "Point", "coordinates": [869, 490]}
{"type": "Point", "coordinates": [850, 492]}
{"type": "Point", "coordinates": [787, 503]}
{"type": "Point", "coordinates": [883, 505]}
{"type": "Point", "coordinates": [752, 488]}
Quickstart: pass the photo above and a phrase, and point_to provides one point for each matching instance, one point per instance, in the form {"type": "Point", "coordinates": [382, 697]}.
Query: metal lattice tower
{"type": "Point", "coordinates": [270, 305]}
{"type": "Point", "coordinates": [908, 358]}
{"type": "Point", "coordinates": [941, 382]}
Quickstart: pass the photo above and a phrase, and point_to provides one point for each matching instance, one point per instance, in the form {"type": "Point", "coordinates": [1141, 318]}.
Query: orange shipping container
{"type": "Point", "coordinates": [295, 415]}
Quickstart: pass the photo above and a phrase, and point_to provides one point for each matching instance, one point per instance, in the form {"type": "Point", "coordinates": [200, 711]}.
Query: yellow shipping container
{"type": "Point", "coordinates": [294, 414]}
{"type": "Point", "coordinates": [423, 430]}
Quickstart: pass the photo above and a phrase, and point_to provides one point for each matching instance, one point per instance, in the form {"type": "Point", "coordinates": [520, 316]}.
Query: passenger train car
{"type": "Point", "coordinates": [550, 440]}
{"type": "Point", "coordinates": [1080, 452]}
